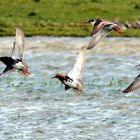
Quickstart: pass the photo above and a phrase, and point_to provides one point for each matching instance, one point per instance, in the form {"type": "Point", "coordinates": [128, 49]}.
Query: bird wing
{"type": "Point", "coordinates": [95, 30]}
{"type": "Point", "coordinates": [8, 68]}
{"type": "Point", "coordinates": [97, 37]}
{"type": "Point", "coordinates": [7, 60]}
{"type": "Point", "coordinates": [18, 47]}
{"type": "Point", "coordinates": [134, 85]}
{"type": "Point", "coordinates": [118, 29]}
{"type": "Point", "coordinates": [78, 66]}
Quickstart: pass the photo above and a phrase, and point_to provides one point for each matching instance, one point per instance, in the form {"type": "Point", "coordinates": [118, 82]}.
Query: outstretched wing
{"type": "Point", "coordinates": [118, 29]}
{"type": "Point", "coordinates": [8, 61]}
{"type": "Point", "coordinates": [78, 66]}
{"type": "Point", "coordinates": [18, 47]}
{"type": "Point", "coordinates": [7, 69]}
{"type": "Point", "coordinates": [97, 37]}
{"type": "Point", "coordinates": [98, 26]}
{"type": "Point", "coordinates": [134, 85]}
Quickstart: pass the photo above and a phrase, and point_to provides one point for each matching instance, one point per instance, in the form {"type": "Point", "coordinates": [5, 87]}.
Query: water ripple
{"type": "Point", "coordinates": [38, 107]}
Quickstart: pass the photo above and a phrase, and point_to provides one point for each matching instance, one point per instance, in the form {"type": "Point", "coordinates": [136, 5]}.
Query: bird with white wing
{"type": "Point", "coordinates": [72, 79]}
{"type": "Point", "coordinates": [101, 28]}
{"type": "Point", "coordinates": [15, 61]}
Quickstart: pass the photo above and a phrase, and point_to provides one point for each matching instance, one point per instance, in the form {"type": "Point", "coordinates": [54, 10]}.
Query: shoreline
{"type": "Point", "coordinates": [109, 45]}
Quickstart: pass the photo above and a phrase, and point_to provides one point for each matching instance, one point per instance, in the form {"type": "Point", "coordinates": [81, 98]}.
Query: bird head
{"type": "Point", "coordinates": [59, 76]}
{"type": "Point", "coordinates": [91, 21]}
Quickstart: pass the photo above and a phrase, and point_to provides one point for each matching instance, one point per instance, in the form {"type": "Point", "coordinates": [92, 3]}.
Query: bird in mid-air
{"type": "Point", "coordinates": [72, 79]}
{"type": "Point", "coordinates": [134, 85]}
{"type": "Point", "coordinates": [102, 28]}
{"type": "Point", "coordinates": [15, 61]}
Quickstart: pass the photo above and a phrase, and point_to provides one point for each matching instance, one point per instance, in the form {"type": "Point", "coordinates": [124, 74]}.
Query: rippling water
{"type": "Point", "coordinates": [38, 108]}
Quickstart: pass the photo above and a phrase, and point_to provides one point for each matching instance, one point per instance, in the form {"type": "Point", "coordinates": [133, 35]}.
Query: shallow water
{"type": "Point", "coordinates": [38, 108]}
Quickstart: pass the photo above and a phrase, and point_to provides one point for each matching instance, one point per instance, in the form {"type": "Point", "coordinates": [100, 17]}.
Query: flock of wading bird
{"type": "Point", "coordinates": [101, 28]}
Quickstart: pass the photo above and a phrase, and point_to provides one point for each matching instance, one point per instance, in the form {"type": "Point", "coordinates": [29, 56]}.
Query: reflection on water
{"type": "Point", "coordinates": [38, 107]}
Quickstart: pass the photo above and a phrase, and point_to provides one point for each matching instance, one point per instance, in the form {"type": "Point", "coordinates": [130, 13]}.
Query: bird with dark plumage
{"type": "Point", "coordinates": [72, 79]}
{"type": "Point", "coordinates": [102, 28]}
{"type": "Point", "coordinates": [15, 61]}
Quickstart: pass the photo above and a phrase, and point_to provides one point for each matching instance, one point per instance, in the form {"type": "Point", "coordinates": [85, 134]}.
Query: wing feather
{"type": "Point", "coordinates": [78, 66]}
{"type": "Point", "coordinates": [134, 85]}
{"type": "Point", "coordinates": [96, 38]}
{"type": "Point", "coordinates": [18, 46]}
{"type": "Point", "coordinates": [98, 27]}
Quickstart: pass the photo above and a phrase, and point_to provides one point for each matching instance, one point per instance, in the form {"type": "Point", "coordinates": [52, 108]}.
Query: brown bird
{"type": "Point", "coordinates": [102, 28]}
{"type": "Point", "coordinates": [133, 86]}
{"type": "Point", "coordinates": [15, 61]}
{"type": "Point", "coordinates": [72, 79]}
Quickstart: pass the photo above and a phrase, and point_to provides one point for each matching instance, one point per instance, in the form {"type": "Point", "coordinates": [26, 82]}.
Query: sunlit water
{"type": "Point", "coordinates": [38, 108]}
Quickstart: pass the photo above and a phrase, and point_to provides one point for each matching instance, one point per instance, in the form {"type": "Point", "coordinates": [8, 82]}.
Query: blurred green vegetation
{"type": "Point", "coordinates": [64, 17]}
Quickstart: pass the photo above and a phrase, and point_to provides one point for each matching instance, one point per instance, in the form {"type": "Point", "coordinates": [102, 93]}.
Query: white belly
{"type": "Point", "coordinates": [73, 84]}
{"type": "Point", "coordinates": [18, 65]}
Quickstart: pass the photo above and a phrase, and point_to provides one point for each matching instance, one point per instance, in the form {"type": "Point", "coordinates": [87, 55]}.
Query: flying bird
{"type": "Point", "coordinates": [15, 61]}
{"type": "Point", "coordinates": [72, 79]}
{"type": "Point", "coordinates": [102, 28]}
{"type": "Point", "coordinates": [133, 86]}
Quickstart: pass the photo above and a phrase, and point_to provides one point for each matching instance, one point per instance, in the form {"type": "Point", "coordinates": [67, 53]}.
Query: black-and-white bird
{"type": "Point", "coordinates": [72, 79]}
{"type": "Point", "coordinates": [102, 28]}
{"type": "Point", "coordinates": [133, 86]}
{"type": "Point", "coordinates": [15, 61]}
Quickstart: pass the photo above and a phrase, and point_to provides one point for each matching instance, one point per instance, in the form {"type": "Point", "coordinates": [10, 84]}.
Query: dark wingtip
{"type": "Point", "coordinates": [126, 91]}
{"type": "Point", "coordinates": [89, 48]}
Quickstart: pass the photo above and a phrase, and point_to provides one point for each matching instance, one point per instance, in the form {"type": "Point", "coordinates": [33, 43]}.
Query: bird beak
{"type": "Point", "coordinates": [86, 22]}
{"type": "Point", "coordinates": [53, 77]}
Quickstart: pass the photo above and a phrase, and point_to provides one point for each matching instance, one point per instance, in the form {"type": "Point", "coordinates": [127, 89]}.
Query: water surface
{"type": "Point", "coordinates": [38, 108]}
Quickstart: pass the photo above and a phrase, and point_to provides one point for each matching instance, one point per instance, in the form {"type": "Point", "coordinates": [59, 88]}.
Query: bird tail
{"type": "Point", "coordinates": [24, 72]}
{"type": "Point", "coordinates": [79, 92]}
{"type": "Point", "coordinates": [82, 91]}
{"type": "Point", "coordinates": [121, 32]}
{"type": "Point", "coordinates": [118, 30]}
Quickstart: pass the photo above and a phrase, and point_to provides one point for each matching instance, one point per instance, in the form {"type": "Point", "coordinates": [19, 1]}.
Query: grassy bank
{"type": "Point", "coordinates": [64, 17]}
